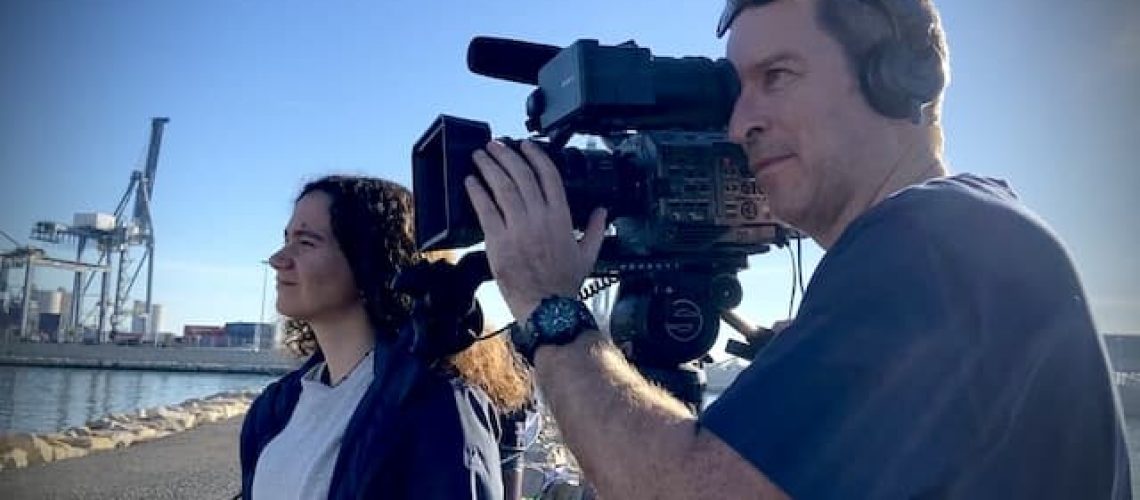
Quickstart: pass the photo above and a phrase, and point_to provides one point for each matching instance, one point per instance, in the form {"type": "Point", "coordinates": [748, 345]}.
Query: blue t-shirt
{"type": "Point", "coordinates": [944, 349]}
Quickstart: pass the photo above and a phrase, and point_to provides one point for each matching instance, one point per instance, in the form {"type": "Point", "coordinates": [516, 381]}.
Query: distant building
{"type": "Point", "coordinates": [244, 334]}
{"type": "Point", "coordinates": [48, 316]}
{"type": "Point", "coordinates": [156, 317]}
{"type": "Point", "coordinates": [146, 324]}
{"type": "Point", "coordinates": [49, 301]}
{"type": "Point", "coordinates": [138, 325]}
{"type": "Point", "coordinates": [52, 315]}
{"type": "Point", "coordinates": [204, 336]}
{"type": "Point", "coordinates": [48, 326]}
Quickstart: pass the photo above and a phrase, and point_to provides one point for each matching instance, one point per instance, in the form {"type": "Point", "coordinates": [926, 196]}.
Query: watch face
{"type": "Point", "coordinates": [560, 317]}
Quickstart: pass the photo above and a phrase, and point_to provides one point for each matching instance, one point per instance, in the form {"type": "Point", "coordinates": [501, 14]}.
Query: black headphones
{"type": "Point", "coordinates": [900, 75]}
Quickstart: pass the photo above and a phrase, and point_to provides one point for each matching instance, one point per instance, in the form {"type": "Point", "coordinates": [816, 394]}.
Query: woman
{"type": "Point", "coordinates": [363, 418]}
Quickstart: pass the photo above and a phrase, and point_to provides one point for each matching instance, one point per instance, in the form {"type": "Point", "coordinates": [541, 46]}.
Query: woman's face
{"type": "Point", "coordinates": [314, 280]}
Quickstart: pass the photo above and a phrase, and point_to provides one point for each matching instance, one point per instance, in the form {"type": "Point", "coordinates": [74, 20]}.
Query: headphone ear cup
{"type": "Point", "coordinates": [898, 82]}
{"type": "Point", "coordinates": [923, 77]}
{"type": "Point", "coordinates": [881, 78]}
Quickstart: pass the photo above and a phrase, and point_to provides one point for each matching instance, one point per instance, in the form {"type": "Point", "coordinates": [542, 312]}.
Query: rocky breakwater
{"type": "Point", "coordinates": [120, 430]}
{"type": "Point", "coordinates": [551, 472]}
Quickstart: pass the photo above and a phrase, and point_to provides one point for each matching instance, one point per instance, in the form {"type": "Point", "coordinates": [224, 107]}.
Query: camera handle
{"type": "Point", "coordinates": [755, 338]}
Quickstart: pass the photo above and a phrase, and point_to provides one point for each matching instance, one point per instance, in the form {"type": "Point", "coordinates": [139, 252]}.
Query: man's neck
{"type": "Point", "coordinates": [915, 166]}
{"type": "Point", "coordinates": [345, 339]}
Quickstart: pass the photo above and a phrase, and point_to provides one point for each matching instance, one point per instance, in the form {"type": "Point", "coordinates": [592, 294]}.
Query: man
{"type": "Point", "coordinates": [943, 348]}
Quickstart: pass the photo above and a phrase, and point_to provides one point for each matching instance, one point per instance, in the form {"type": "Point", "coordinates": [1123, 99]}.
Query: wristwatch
{"type": "Point", "coordinates": [557, 320]}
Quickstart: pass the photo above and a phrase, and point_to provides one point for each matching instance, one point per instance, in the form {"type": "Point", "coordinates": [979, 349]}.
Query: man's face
{"type": "Point", "coordinates": [811, 138]}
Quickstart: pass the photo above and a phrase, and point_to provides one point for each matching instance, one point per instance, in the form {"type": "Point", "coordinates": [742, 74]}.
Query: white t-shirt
{"type": "Point", "coordinates": [298, 462]}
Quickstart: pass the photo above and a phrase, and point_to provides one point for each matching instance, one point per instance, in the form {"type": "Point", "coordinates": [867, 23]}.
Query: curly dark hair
{"type": "Point", "coordinates": [372, 222]}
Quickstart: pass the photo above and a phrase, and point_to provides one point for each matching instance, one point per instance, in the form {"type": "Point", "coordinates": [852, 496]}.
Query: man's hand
{"type": "Point", "coordinates": [527, 227]}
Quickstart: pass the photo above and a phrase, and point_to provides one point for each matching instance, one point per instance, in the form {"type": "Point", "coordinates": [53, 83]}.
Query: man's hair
{"type": "Point", "coordinates": [860, 26]}
{"type": "Point", "coordinates": [372, 222]}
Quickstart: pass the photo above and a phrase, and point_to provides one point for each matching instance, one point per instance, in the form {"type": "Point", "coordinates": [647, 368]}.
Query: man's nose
{"type": "Point", "coordinates": [748, 120]}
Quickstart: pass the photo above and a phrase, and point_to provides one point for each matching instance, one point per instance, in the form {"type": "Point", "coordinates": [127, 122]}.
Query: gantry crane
{"type": "Point", "coordinates": [114, 238]}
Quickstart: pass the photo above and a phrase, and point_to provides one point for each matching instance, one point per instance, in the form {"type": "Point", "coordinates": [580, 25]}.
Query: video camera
{"type": "Point", "coordinates": [684, 205]}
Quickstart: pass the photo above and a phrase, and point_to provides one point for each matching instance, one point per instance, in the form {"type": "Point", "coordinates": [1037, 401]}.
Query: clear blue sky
{"type": "Point", "coordinates": [263, 95]}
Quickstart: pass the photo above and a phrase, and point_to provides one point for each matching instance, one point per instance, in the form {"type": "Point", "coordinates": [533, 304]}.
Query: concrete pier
{"type": "Point", "coordinates": [198, 463]}
{"type": "Point", "coordinates": [146, 357]}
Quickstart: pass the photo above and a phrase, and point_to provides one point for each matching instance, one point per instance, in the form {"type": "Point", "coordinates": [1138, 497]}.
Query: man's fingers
{"type": "Point", "coordinates": [521, 173]}
{"type": "Point", "coordinates": [591, 242]}
{"type": "Point", "coordinates": [490, 219]}
{"type": "Point", "coordinates": [547, 172]}
{"type": "Point", "coordinates": [503, 191]}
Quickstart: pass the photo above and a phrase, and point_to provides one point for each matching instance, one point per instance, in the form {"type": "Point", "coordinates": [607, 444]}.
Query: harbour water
{"type": "Point", "coordinates": [36, 399]}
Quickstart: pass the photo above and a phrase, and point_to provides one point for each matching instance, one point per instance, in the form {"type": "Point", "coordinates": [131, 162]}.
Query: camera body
{"type": "Point", "coordinates": [667, 193]}
{"type": "Point", "coordinates": [672, 183]}
{"type": "Point", "coordinates": [684, 205]}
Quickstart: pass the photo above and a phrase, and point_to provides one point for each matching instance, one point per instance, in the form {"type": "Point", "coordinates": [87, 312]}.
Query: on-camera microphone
{"type": "Point", "coordinates": [507, 59]}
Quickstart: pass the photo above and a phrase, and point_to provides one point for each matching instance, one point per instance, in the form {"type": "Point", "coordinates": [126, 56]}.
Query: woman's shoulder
{"type": "Point", "coordinates": [448, 396]}
{"type": "Point", "coordinates": [433, 395]}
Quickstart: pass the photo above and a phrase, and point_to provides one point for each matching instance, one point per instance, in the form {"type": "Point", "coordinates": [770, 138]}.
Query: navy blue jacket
{"type": "Point", "coordinates": [944, 349]}
{"type": "Point", "coordinates": [416, 433]}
